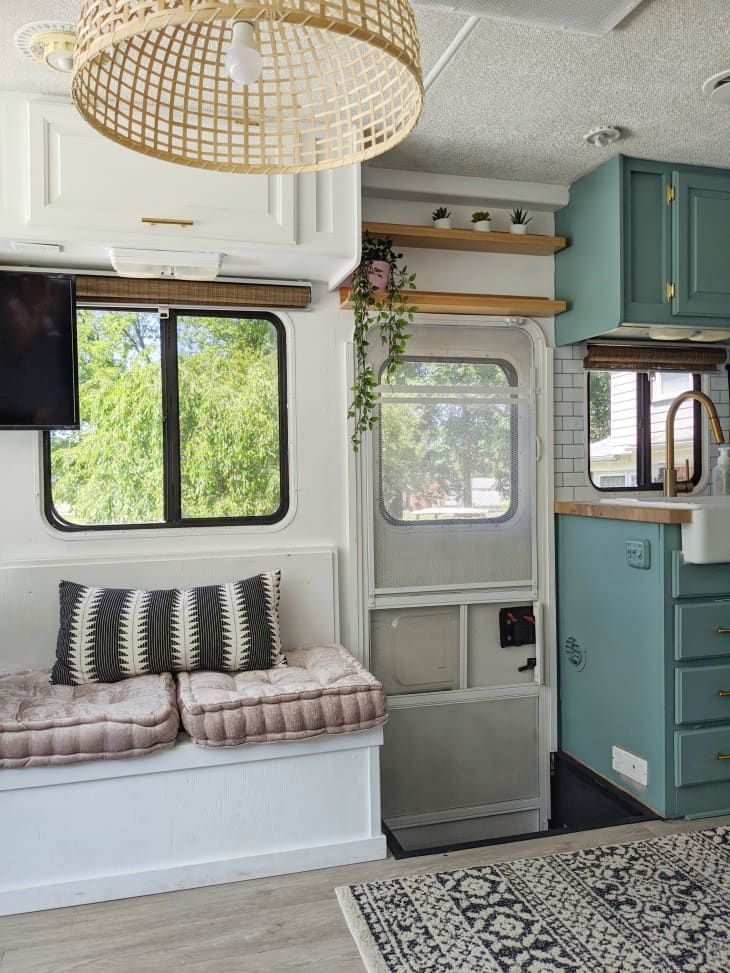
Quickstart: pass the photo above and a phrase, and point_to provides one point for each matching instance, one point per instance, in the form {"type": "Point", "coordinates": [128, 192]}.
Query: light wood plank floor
{"type": "Point", "coordinates": [265, 926]}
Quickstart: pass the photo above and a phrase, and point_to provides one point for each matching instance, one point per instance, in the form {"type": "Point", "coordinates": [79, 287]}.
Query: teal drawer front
{"type": "Point", "coordinates": [696, 630]}
{"type": "Point", "coordinates": [696, 756]}
{"type": "Point", "coordinates": [696, 580]}
{"type": "Point", "coordinates": [698, 698]}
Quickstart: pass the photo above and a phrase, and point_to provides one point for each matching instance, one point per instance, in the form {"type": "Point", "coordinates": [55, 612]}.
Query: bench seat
{"type": "Point", "coordinates": [323, 689]}
{"type": "Point", "coordinates": [43, 725]}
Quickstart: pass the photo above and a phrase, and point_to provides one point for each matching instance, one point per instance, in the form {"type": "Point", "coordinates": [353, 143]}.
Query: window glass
{"type": "Point", "coordinates": [228, 380]}
{"type": "Point", "coordinates": [110, 471]}
{"type": "Point", "coordinates": [448, 442]}
{"type": "Point", "coordinates": [183, 422]}
{"type": "Point", "coordinates": [614, 440]}
{"type": "Point", "coordinates": [665, 387]}
{"type": "Point", "coordinates": [627, 422]}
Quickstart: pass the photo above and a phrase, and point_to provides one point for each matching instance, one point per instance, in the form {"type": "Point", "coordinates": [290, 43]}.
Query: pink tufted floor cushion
{"type": "Point", "coordinates": [323, 689]}
{"type": "Point", "coordinates": [43, 725]}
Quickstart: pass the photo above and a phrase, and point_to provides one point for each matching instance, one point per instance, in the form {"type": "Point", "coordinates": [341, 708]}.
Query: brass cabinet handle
{"type": "Point", "coordinates": [163, 221]}
{"type": "Point", "coordinates": [723, 631]}
{"type": "Point", "coordinates": [723, 756]}
{"type": "Point", "coordinates": [723, 693]}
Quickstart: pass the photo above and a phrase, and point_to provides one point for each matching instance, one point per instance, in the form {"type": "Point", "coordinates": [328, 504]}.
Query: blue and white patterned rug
{"type": "Point", "coordinates": [655, 906]}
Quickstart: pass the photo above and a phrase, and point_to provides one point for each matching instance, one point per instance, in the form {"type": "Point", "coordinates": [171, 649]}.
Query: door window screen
{"type": "Point", "coordinates": [452, 474]}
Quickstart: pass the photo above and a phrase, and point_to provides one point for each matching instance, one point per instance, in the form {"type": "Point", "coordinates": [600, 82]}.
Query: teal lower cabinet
{"type": "Point", "coordinates": [644, 664]}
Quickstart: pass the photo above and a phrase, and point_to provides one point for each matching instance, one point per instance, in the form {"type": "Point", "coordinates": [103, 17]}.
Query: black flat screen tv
{"type": "Point", "coordinates": [38, 364]}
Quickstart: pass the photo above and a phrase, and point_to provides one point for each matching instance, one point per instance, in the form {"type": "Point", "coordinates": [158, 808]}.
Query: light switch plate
{"type": "Point", "coordinates": [629, 765]}
{"type": "Point", "coordinates": [638, 554]}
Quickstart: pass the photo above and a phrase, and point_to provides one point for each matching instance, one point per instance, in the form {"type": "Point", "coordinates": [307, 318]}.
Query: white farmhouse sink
{"type": "Point", "coordinates": [706, 540]}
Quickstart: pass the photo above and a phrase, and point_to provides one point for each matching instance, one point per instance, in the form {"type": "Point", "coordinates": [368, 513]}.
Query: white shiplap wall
{"type": "Point", "coordinates": [571, 453]}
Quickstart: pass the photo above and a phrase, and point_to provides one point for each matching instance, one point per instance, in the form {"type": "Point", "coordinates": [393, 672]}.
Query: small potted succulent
{"type": "Point", "coordinates": [442, 218]}
{"type": "Point", "coordinates": [520, 219]}
{"type": "Point", "coordinates": [481, 221]}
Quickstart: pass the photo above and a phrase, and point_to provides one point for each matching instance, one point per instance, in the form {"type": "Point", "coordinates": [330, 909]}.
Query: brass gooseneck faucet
{"type": "Point", "coordinates": [670, 475]}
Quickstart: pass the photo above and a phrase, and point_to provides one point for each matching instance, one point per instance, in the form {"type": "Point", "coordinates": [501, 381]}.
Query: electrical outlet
{"type": "Point", "coordinates": [629, 765]}
{"type": "Point", "coordinates": [638, 554]}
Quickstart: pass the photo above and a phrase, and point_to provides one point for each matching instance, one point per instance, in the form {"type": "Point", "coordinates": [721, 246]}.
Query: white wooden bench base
{"type": "Point", "coordinates": [186, 818]}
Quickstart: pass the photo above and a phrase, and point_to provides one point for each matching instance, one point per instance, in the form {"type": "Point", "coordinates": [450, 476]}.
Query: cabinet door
{"type": "Point", "coordinates": [647, 242]}
{"type": "Point", "coordinates": [701, 244]}
{"type": "Point", "coordinates": [88, 187]}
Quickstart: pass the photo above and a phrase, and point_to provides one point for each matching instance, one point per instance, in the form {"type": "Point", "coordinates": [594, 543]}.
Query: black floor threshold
{"type": "Point", "coordinates": [580, 801]}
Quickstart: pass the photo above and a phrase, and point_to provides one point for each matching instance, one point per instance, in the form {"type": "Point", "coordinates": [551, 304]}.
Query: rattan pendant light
{"type": "Point", "coordinates": [340, 82]}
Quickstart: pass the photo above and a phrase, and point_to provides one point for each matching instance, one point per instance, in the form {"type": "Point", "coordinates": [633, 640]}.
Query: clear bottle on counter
{"type": "Point", "coordinates": [721, 474]}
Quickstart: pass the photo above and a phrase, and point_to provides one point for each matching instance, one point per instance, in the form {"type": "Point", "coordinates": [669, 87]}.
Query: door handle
{"type": "Point", "coordinates": [723, 756]}
{"type": "Point", "coordinates": [723, 631]}
{"type": "Point", "coordinates": [723, 693]}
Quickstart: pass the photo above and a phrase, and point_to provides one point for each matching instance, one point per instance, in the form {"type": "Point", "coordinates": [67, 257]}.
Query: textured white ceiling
{"type": "Point", "coordinates": [516, 100]}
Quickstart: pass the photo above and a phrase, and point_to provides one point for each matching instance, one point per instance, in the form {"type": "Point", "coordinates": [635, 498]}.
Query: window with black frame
{"type": "Point", "coordinates": [627, 413]}
{"type": "Point", "coordinates": [183, 422]}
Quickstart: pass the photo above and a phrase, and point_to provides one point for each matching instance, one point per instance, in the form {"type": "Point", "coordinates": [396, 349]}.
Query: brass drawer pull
{"type": "Point", "coordinates": [162, 221]}
{"type": "Point", "coordinates": [722, 693]}
{"type": "Point", "coordinates": [723, 756]}
{"type": "Point", "coordinates": [723, 631]}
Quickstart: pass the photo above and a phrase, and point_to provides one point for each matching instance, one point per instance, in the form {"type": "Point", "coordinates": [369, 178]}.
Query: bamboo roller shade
{"type": "Point", "coordinates": [653, 358]}
{"type": "Point", "coordinates": [132, 290]}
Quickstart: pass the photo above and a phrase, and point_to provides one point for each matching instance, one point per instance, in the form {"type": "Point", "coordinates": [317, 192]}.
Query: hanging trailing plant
{"type": "Point", "coordinates": [380, 288]}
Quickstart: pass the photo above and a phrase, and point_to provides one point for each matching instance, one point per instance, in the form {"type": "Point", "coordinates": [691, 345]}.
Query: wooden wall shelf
{"type": "Point", "coordinates": [501, 305]}
{"type": "Point", "coordinates": [429, 238]}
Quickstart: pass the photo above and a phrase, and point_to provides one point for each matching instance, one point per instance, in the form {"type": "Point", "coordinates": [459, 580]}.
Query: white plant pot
{"type": "Point", "coordinates": [520, 229]}
{"type": "Point", "coordinates": [444, 224]}
{"type": "Point", "coordinates": [483, 226]}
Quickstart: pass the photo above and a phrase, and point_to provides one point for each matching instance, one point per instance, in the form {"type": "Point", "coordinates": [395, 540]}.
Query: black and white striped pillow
{"type": "Point", "coordinates": [109, 634]}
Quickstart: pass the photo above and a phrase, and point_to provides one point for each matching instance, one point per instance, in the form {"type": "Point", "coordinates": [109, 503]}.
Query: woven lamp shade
{"type": "Point", "coordinates": [341, 81]}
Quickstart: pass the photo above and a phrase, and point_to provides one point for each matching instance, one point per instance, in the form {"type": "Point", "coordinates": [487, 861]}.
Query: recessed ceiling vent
{"type": "Point", "coordinates": [717, 88]}
{"type": "Point", "coordinates": [576, 16]}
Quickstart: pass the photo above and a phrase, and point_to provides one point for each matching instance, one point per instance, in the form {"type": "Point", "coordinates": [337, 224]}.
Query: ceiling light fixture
{"type": "Point", "coordinates": [269, 87]}
{"type": "Point", "coordinates": [48, 43]}
{"type": "Point", "coordinates": [718, 87]}
{"type": "Point", "coordinates": [603, 136]}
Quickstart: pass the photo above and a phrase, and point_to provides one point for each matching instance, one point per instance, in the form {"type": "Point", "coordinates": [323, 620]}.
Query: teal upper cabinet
{"type": "Point", "coordinates": [649, 247]}
{"type": "Point", "coordinates": [701, 243]}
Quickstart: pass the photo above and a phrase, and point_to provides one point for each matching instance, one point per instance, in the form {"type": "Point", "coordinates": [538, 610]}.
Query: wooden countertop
{"type": "Point", "coordinates": [643, 513]}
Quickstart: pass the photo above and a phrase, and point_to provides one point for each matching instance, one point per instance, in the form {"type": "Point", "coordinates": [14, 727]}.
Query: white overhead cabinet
{"type": "Point", "coordinates": [61, 182]}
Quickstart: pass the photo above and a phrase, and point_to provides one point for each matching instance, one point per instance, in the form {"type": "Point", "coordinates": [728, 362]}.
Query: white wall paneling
{"type": "Point", "coordinates": [29, 593]}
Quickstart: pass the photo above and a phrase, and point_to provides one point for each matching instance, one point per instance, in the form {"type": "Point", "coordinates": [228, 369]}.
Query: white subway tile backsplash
{"type": "Point", "coordinates": [574, 479]}
{"type": "Point", "coordinates": [574, 365]}
{"type": "Point", "coordinates": [573, 422]}
{"type": "Point", "coordinates": [571, 462]}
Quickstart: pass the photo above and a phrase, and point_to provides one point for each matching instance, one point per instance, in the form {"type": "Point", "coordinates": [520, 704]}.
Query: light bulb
{"type": "Point", "coordinates": [60, 60]}
{"type": "Point", "coordinates": [243, 61]}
